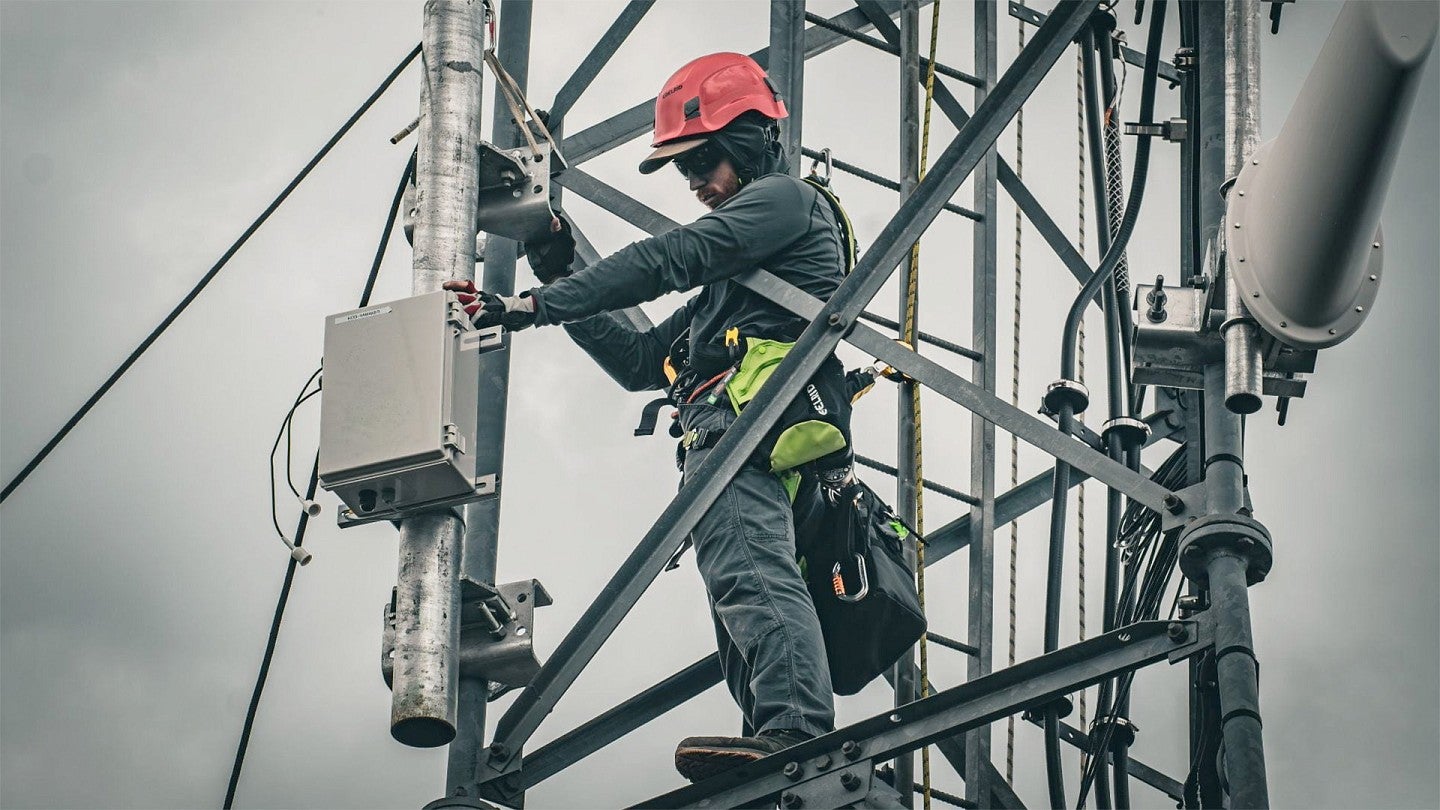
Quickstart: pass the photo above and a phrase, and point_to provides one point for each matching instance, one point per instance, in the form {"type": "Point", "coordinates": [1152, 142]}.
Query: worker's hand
{"type": "Point", "coordinates": [513, 312]}
{"type": "Point", "coordinates": [550, 256]}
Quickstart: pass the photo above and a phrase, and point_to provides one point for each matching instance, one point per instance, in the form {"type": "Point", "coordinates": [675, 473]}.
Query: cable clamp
{"type": "Point", "coordinates": [1176, 130]}
{"type": "Point", "coordinates": [1130, 431]}
{"type": "Point", "coordinates": [1122, 736]}
{"type": "Point", "coordinates": [1066, 392]}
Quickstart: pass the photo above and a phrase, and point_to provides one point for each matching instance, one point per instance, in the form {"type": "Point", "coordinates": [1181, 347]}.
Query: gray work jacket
{"type": "Point", "coordinates": [777, 222]}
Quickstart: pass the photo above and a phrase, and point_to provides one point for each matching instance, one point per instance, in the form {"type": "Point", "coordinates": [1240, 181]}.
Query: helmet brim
{"type": "Point", "coordinates": [667, 152]}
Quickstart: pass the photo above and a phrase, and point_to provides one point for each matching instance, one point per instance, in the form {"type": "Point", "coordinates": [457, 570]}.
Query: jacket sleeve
{"type": "Point", "coordinates": [632, 358]}
{"type": "Point", "coordinates": [760, 221]}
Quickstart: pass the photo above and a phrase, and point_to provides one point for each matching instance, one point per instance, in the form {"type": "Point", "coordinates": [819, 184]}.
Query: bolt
{"type": "Point", "coordinates": [835, 320]}
{"type": "Point", "coordinates": [1241, 193]}
{"type": "Point", "coordinates": [1190, 604]}
{"type": "Point", "coordinates": [1237, 226]}
{"type": "Point", "coordinates": [1283, 324]}
{"type": "Point", "coordinates": [791, 800]}
{"type": "Point", "coordinates": [850, 749]}
{"type": "Point", "coordinates": [1173, 504]}
{"type": "Point", "coordinates": [1374, 244]}
{"type": "Point", "coordinates": [1373, 276]}
{"type": "Point", "coordinates": [1332, 331]}
{"type": "Point", "coordinates": [1176, 631]}
{"type": "Point", "coordinates": [1124, 637]}
{"type": "Point", "coordinates": [849, 781]}
{"type": "Point", "coordinates": [823, 762]}
{"type": "Point", "coordinates": [792, 771]}
{"type": "Point", "coordinates": [1359, 309]}
{"type": "Point", "coordinates": [498, 750]}
{"type": "Point", "coordinates": [1254, 295]}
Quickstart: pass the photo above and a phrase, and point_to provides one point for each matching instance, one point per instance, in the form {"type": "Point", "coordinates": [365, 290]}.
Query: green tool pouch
{"type": "Point", "coordinates": [815, 425]}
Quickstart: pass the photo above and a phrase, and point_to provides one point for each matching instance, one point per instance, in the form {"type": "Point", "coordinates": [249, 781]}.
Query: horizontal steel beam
{"type": "Point", "coordinates": [881, 45]}
{"type": "Point", "coordinates": [1165, 71]}
{"type": "Point", "coordinates": [961, 708]}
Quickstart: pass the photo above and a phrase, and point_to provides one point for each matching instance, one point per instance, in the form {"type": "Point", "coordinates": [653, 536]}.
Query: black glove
{"type": "Point", "coordinates": [513, 312]}
{"type": "Point", "coordinates": [550, 256]}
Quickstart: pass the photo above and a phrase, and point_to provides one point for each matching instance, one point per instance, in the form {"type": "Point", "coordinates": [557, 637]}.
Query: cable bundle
{"type": "Point", "coordinates": [1150, 560]}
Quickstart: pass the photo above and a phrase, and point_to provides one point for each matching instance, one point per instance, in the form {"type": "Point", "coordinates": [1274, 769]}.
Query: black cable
{"type": "Point", "coordinates": [1132, 205]}
{"type": "Point", "coordinates": [204, 280]}
{"type": "Point", "coordinates": [284, 433]}
{"type": "Point", "coordinates": [305, 516]}
{"type": "Point", "coordinates": [1055, 778]}
{"type": "Point", "coordinates": [270, 645]}
{"type": "Point", "coordinates": [1054, 773]}
{"type": "Point", "coordinates": [287, 426]}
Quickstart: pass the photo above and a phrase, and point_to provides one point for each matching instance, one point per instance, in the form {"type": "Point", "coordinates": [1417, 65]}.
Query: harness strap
{"type": "Point", "coordinates": [649, 415]}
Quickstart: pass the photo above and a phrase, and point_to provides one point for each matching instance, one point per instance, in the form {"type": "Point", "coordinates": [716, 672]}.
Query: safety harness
{"type": "Point", "coordinates": [740, 365]}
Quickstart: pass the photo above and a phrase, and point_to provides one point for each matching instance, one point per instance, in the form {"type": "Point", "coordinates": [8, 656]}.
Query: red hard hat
{"type": "Point", "coordinates": [705, 95]}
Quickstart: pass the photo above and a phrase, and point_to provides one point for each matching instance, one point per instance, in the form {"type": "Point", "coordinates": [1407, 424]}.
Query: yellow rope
{"type": "Point", "coordinates": [908, 332]}
{"type": "Point", "coordinates": [1080, 355]}
{"type": "Point", "coordinates": [1015, 401]}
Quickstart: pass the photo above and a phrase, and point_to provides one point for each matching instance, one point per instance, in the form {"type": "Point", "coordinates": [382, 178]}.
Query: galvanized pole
{"type": "Point", "coordinates": [427, 615]}
{"type": "Point", "coordinates": [787, 70]}
{"type": "Point", "coordinates": [982, 433]}
{"type": "Point", "coordinates": [1226, 572]}
{"type": "Point", "coordinates": [1242, 135]}
{"type": "Point", "coordinates": [482, 518]}
{"type": "Point", "coordinates": [907, 472]}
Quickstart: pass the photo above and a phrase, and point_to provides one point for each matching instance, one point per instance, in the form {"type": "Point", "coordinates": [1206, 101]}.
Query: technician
{"type": "Point", "coordinates": [717, 120]}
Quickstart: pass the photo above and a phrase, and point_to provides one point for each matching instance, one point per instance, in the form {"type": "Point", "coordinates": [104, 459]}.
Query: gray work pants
{"type": "Point", "coordinates": [771, 649]}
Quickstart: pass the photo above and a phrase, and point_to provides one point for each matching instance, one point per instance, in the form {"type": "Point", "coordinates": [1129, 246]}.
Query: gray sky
{"type": "Point", "coordinates": [138, 569]}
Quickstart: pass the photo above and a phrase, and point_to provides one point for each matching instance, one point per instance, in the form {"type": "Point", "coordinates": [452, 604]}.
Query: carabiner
{"type": "Point", "coordinates": [838, 581]}
{"type": "Point", "coordinates": [829, 167]}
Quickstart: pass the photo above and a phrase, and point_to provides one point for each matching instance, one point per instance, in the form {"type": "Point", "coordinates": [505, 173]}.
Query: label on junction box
{"type": "Point", "coordinates": [365, 313]}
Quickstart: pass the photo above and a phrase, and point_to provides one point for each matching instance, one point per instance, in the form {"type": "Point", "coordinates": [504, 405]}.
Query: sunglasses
{"type": "Point", "coordinates": [699, 161]}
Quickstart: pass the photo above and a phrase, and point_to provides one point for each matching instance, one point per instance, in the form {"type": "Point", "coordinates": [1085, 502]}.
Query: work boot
{"type": "Point", "coordinates": [699, 758]}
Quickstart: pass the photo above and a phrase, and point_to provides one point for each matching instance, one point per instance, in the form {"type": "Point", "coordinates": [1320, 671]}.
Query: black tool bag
{"type": "Point", "coordinates": [864, 593]}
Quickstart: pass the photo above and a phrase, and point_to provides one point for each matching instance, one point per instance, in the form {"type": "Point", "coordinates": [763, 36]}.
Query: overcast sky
{"type": "Point", "coordinates": [138, 570]}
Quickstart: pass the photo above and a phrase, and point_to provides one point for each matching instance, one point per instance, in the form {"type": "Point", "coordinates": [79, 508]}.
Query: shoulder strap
{"type": "Point", "coordinates": [847, 231]}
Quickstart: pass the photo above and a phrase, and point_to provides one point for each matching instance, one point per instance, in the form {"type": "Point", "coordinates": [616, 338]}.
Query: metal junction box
{"type": "Point", "coordinates": [1175, 340]}
{"type": "Point", "coordinates": [397, 417]}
